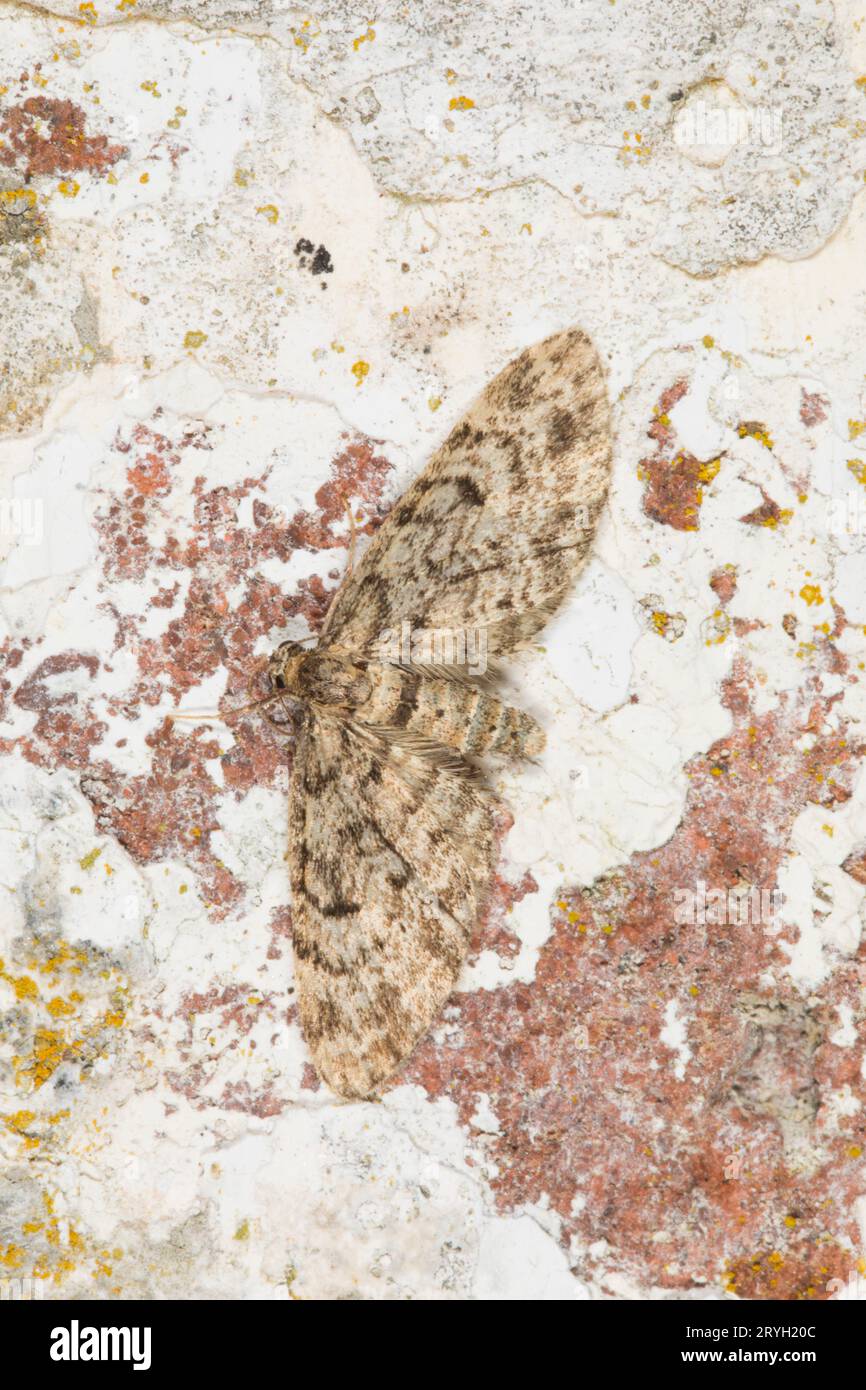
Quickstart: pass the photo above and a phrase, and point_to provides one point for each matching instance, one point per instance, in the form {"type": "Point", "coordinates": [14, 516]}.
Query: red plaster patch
{"type": "Point", "coordinates": [768, 514]}
{"type": "Point", "coordinates": [170, 811]}
{"type": "Point", "coordinates": [723, 582]}
{"type": "Point", "coordinates": [46, 135]}
{"type": "Point", "coordinates": [673, 479]}
{"type": "Point", "coordinates": [694, 1176]}
{"type": "Point", "coordinates": [495, 934]}
{"type": "Point", "coordinates": [358, 475]}
{"type": "Point", "coordinates": [855, 865]}
{"type": "Point", "coordinates": [310, 1079]}
{"type": "Point", "coordinates": [281, 932]}
{"type": "Point", "coordinates": [813, 407]}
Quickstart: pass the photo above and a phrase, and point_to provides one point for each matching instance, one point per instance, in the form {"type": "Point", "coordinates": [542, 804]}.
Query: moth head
{"type": "Point", "coordinates": [283, 665]}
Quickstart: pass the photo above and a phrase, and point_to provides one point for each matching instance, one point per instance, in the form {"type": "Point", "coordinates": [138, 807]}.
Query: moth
{"type": "Point", "coordinates": [391, 837]}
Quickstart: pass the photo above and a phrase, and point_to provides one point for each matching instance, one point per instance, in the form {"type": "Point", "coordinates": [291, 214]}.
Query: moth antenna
{"type": "Point", "coordinates": [255, 704]}
{"type": "Point", "coordinates": [198, 718]}
{"type": "Point", "coordinates": [224, 718]}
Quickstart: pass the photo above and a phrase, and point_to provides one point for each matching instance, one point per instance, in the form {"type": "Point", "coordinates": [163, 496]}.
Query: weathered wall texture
{"type": "Point", "coordinates": [255, 260]}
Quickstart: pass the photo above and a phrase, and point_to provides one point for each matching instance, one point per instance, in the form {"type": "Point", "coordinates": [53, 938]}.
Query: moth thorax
{"type": "Point", "coordinates": [284, 665]}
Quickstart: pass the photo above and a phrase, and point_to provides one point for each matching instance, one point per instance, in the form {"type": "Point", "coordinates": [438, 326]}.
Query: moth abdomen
{"type": "Point", "coordinates": [500, 728]}
{"type": "Point", "coordinates": [455, 713]}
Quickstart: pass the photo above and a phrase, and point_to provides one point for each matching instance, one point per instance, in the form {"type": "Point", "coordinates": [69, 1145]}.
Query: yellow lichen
{"type": "Point", "coordinates": [17, 195]}
{"type": "Point", "coordinates": [811, 594]}
{"type": "Point", "coordinates": [757, 432]}
{"type": "Point", "coordinates": [708, 471]}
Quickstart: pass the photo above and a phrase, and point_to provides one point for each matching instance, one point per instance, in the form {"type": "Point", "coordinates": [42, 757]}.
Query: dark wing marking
{"type": "Point", "coordinates": [494, 531]}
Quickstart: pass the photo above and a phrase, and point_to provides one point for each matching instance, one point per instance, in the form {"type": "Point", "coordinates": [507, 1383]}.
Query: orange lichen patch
{"type": "Point", "coordinates": [68, 1022]}
{"type": "Point", "coordinates": [23, 985]}
{"type": "Point", "coordinates": [596, 1119]}
{"type": "Point", "coordinates": [19, 1124]}
{"type": "Point", "coordinates": [50, 1048]}
{"type": "Point", "coordinates": [769, 514]}
{"type": "Point", "coordinates": [20, 217]}
{"type": "Point", "coordinates": [53, 1046]}
{"type": "Point", "coordinates": [63, 1008]}
{"type": "Point", "coordinates": [708, 471]}
{"type": "Point", "coordinates": [673, 479]}
{"type": "Point", "coordinates": [461, 104]}
{"type": "Point", "coordinates": [858, 468]}
{"type": "Point", "coordinates": [811, 594]}
{"type": "Point", "coordinates": [753, 429]}
{"type": "Point", "coordinates": [50, 1246]}
{"type": "Point", "coordinates": [660, 620]}
{"type": "Point", "coordinates": [45, 135]}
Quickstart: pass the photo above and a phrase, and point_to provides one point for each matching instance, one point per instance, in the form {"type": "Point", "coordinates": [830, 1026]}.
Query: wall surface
{"type": "Point", "coordinates": [255, 261]}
